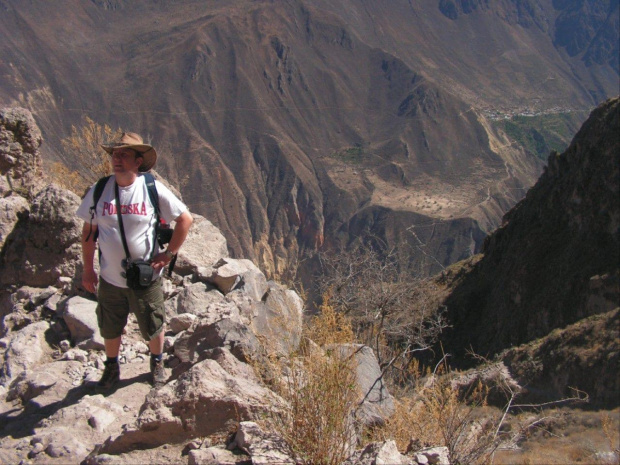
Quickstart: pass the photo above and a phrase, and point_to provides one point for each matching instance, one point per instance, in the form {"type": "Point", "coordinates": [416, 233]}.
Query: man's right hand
{"type": "Point", "coordinates": [90, 280]}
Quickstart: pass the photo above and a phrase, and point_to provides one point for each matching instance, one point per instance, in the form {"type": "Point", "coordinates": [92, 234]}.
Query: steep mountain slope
{"type": "Point", "coordinates": [295, 125]}
{"type": "Point", "coordinates": [555, 260]}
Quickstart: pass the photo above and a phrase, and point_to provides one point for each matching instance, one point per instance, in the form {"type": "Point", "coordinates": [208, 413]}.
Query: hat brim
{"type": "Point", "coordinates": [147, 152]}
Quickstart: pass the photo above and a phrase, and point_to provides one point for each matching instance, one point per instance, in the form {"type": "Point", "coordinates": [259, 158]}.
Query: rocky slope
{"type": "Point", "coordinates": [552, 265]}
{"type": "Point", "coordinates": [299, 125]}
{"type": "Point", "coordinates": [223, 315]}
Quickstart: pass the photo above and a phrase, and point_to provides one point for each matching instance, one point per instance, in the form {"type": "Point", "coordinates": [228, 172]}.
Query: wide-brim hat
{"type": "Point", "coordinates": [131, 140]}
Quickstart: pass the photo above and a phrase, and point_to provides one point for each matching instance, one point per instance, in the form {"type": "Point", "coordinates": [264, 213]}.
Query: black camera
{"type": "Point", "coordinates": [139, 274]}
{"type": "Point", "coordinates": [164, 235]}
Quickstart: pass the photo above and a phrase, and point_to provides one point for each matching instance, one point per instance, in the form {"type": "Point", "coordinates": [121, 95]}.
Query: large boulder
{"type": "Point", "coordinates": [378, 403]}
{"type": "Point", "coordinates": [202, 300]}
{"type": "Point", "coordinates": [195, 343]}
{"type": "Point", "coordinates": [205, 400]}
{"type": "Point", "coordinates": [378, 453]}
{"type": "Point", "coordinates": [204, 246]}
{"type": "Point", "coordinates": [44, 246]}
{"type": "Point", "coordinates": [12, 208]}
{"type": "Point", "coordinates": [278, 319]}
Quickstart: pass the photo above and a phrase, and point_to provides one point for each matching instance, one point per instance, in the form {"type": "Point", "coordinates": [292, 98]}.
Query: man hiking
{"type": "Point", "coordinates": [121, 213]}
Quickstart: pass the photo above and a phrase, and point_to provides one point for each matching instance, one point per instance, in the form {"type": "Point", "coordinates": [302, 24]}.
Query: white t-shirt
{"type": "Point", "coordinates": [138, 221]}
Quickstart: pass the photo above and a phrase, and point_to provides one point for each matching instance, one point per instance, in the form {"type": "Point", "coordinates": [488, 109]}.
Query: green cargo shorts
{"type": "Point", "coordinates": [115, 303]}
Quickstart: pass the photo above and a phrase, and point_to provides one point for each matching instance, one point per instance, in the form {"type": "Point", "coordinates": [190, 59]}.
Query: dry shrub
{"type": "Point", "coordinates": [322, 393]}
{"type": "Point", "coordinates": [436, 414]}
{"type": "Point", "coordinates": [392, 311]}
{"type": "Point", "coordinates": [83, 148]}
{"type": "Point", "coordinates": [330, 326]}
{"type": "Point", "coordinates": [611, 430]}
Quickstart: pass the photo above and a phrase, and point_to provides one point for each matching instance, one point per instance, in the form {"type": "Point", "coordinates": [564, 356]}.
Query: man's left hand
{"type": "Point", "coordinates": [160, 261]}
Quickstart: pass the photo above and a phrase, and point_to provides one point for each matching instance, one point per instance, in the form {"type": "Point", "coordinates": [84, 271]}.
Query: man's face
{"type": "Point", "coordinates": [125, 160]}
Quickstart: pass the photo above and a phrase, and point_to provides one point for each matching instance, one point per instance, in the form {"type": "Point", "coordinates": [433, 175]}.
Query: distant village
{"type": "Point", "coordinates": [504, 114]}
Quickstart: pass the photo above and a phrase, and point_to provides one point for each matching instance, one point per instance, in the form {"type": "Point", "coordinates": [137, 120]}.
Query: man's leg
{"type": "Point", "coordinates": [112, 313]}
{"type": "Point", "coordinates": [150, 312]}
{"type": "Point", "coordinates": [113, 347]}
{"type": "Point", "coordinates": [156, 345]}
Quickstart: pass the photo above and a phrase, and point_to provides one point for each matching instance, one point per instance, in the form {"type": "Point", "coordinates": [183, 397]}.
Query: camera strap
{"type": "Point", "coordinates": [122, 227]}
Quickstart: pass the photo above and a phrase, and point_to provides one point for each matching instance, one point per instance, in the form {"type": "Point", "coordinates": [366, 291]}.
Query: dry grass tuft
{"type": "Point", "coordinates": [436, 414]}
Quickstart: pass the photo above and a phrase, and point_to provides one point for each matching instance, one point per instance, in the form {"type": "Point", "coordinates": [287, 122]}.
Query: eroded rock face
{"type": "Point", "coordinates": [193, 345]}
{"type": "Point", "coordinates": [44, 246]}
{"type": "Point", "coordinates": [20, 139]}
{"type": "Point", "coordinates": [12, 208]}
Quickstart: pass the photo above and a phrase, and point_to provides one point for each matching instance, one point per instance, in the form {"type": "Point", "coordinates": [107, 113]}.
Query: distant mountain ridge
{"type": "Point", "coordinates": [555, 261]}
{"type": "Point", "coordinates": [301, 125]}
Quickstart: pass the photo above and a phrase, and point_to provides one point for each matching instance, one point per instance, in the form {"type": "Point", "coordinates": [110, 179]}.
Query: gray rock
{"type": "Point", "coordinates": [25, 350]}
{"type": "Point", "coordinates": [378, 453]}
{"type": "Point", "coordinates": [53, 303]}
{"type": "Point", "coordinates": [217, 456]}
{"type": "Point", "coordinates": [181, 322]}
{"type": "Point", "coordinates": [81, 319]}
{"type": "Point", "coordinates": [193, 345]}
{"type": "Point", "coordinates": [233, 365]}
{"type": "Point", "coordinates": [436, 455]}
{"type": "Point", "coordinates": [66, 446]}
{"type": "Point", "coordinates": [278, 319]}
{"type": "Point", "coordinates": [201, 402]}
{"type": "Point", "coordinates": [378, 404]}
{"type": "Point", "coordinates": [20, 139]}
{"type": "Point", "coordinates": [76, 354]}
{"type": "Point", "coordinates": [264, 448]}
{"type": "Point", "coordinates": [45, 246]}
{"type": "Point", "coordinates": [230, 273]}
{"type": "Point", "coordinates": [100, 419]}
{"type": "Point", "coordinates": [201, 300]}
{"type": "Point", "coordinates": [205, 245]}
{"type": "Point", "coordinates": [11, 208]}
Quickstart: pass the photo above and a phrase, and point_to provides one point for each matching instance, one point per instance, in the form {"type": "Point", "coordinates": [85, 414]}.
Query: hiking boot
{"type": "Point", "coordinates": [158, 372]}
{"type": "Point", "coordinates": [111, 375]}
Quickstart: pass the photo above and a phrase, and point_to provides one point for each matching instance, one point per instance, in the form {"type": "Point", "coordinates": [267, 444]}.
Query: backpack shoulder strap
{"type": "Point", "coordinates": [97, 191]}
{"type": "Point", "coordinates": [149, 179]}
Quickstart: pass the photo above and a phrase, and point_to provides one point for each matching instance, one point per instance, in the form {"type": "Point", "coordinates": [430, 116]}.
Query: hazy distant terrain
{"type": "Point", "coordinates": [303, 124]}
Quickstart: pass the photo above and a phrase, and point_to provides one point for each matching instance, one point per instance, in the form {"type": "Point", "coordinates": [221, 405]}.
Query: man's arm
{"type": "Point", "coordinates": [89, 277]}
{"type": "Point", "coordinates": [181, 228]}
